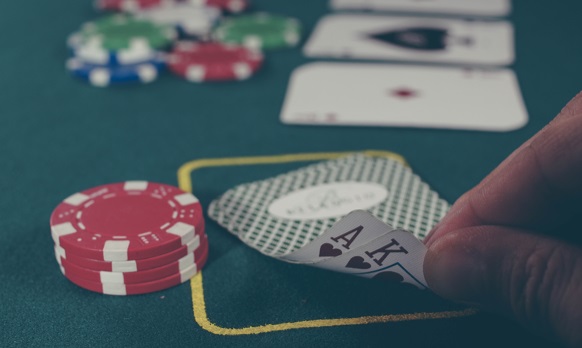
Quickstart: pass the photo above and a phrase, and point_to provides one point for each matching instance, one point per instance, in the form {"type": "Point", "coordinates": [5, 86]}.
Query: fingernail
{"type": "Point", "coordinates": [456, 274]}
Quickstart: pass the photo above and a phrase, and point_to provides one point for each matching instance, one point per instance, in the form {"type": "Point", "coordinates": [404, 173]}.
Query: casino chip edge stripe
{"type": "Point", "coordinates": [134, 265]}
{"type": "Point", "coordinates": [139, 288]}
{"type": "Point", "coordinates": [150, 275]}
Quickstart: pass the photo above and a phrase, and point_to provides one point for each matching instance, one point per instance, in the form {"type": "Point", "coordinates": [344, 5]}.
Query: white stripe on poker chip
{"type": "Point", "coordinates": [76, 199]}
{"type": "Point", "coordinates": [135, 185]}
{"type": "Point", "coordinates": [58, 257]}
{"type": "Point", "coordinates": [253, 41]}
{"type": "Point", "coordinates": [242, 71]}
{"type": "Point", "coordinates": [114, 289]}
{"type": "Point", "coordinates": [138, 51]}
{"type": "Point", "coordinates": [93, 54]}
{"type": "Point", "coordinates": [60, 251]}
{"type": "Point", "coordinates": [115, 250]}
{"type": "Point", "coordinates": [183, 231]}
{"type": "Point", "coordinates": [188, 273]}
{"type": "Point", "coordinates": [74, 40]}
{"type": "Point", "coordinates": [147, 73]}
{"type": "Point", "coordinates": [100, 77]}
{"type": "Point", "coordinates": [186, 199]}
{"type": "Point", "coordinates": [124, 266]}
{"type": "Point", "coordinates": [291, 37]}
{"type": "Point", "coordinates": [60, 230]}
{"type": "Point", "coordinates": [195, 73]}
{"type": "Point", "coordinates": [186, 262]}
{"type": "Point", "coordinates": [194, 244]}
{"type": "Point", "coordinates": [111, 277]}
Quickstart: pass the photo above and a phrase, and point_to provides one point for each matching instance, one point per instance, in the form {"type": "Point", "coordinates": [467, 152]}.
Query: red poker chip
{"type": "Point", "coordinates": [234, 6]}
{"type": "Point", "coordinates": [194, 245]}
{"type": "Point", "coordinates": [133, 220]}
{"type": "Point", "coordinates": [138, 288]}
{"type": "Point", "coordinates": [213, 61]}
{"type": "Point", "coordinates": [134, 277]}
{"type": "Point", "coordinates": [130, 5]}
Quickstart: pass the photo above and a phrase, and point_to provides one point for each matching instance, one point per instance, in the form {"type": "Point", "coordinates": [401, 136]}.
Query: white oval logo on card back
{"type": "Point", "coordinates": [328, 200]}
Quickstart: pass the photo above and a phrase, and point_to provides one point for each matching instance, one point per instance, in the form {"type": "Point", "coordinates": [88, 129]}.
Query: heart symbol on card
{"type": "Point", "coordinates": [358, 262]}
{"type": "Point", "coordinates": [327, 249]}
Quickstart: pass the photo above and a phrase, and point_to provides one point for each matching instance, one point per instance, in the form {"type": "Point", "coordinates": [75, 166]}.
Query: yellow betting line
{"type": "Point", "coordinates": [196, 283]}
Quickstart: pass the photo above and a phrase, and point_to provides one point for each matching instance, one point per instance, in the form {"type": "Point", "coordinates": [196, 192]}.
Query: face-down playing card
{"type": "Point", "coordinates": [297, 216]}
{"type": "Point", "coordinates": [358, 94]}
{"type": "Point", "coordinates": [418, 39]}
{"type": "Point", "coordinates": [455, 7]}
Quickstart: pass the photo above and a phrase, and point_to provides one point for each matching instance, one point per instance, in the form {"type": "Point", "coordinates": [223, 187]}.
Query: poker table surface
{"type": "Point", "coordinates": [59, 136]}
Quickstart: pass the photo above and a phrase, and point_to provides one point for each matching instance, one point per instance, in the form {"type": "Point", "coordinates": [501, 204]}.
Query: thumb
{"type": "Point", "coordinates": [534, 279]}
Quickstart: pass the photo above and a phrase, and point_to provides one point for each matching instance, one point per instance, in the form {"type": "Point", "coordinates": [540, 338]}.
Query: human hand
{"type": "Point", "coordinates": [501, 247]}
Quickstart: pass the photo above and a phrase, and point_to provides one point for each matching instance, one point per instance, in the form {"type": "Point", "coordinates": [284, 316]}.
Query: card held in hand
{"type": "Point", "coordinates": [329, 212]}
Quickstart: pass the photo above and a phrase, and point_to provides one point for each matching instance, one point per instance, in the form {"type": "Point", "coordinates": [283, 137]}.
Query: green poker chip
{"type": "Point", "coordinates": [260, 31]}
{"type": "Point", "coordinates": [121, 32]}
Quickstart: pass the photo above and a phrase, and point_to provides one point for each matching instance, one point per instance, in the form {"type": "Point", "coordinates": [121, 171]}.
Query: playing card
{"type": "Point", "coordinates": [354, 230]}
{"type": "Point", "coordinates": [456, 7]}
{"type": "Point", "coordinates": [280, 215]}
{"type": "Point", "coordinates": [396, 256]}
{"type": "Point", "coordinates": [358, 94]}
{"type": "Point", "coordinates": [419, 39]}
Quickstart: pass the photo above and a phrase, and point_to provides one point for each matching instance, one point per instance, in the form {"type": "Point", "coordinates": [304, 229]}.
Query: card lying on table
{"type": "Point", "coordinates": [357, 94]}
{"type": "Point", "coordinates": [456, 7]}
{"type": "Point", "coordinates": [348, 215]}
{"type": "Point", "coordinates": [419, 39]}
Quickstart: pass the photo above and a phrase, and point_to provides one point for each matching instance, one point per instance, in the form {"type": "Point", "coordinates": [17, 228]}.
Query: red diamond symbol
{"type": "Point", "coordinates": [404, 93]}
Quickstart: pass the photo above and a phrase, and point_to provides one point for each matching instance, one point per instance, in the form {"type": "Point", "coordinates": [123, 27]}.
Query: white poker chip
{"type": "Point", "coordinates": [192, 20]}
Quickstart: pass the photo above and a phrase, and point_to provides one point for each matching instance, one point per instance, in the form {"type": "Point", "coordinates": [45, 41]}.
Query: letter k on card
{"type": "Point", "coordinates": [396, 256]}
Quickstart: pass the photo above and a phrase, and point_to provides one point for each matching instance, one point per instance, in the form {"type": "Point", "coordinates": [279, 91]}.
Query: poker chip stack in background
{"type": "Point", "coordinates": [129, 238]}
{"type": "Point", "coordinates": [198, 40]}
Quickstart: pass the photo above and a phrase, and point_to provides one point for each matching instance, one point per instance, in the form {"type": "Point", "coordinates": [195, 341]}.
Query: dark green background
{"type": "Point", "coordinates": [59, 135]}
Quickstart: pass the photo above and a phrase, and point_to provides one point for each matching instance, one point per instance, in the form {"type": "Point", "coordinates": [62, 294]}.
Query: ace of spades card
{"type": "Point", "coordinates": [413, 39]}
{"type": "Point", "coordinates": [359, 214]}
{"type": "Point", "coordinates": [454, 7]}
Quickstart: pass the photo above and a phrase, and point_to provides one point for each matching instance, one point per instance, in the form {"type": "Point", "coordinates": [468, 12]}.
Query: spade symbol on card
{"type": "Point", "coordinates": [416, 38]}
{"type": "Point", "coordinates": [358, 262]}
{"type": "Point", "coordinates": [327, 249]}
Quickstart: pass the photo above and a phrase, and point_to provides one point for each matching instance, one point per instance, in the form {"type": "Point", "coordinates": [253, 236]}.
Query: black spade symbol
{"type": "Point", "coordinates": [416, 38]}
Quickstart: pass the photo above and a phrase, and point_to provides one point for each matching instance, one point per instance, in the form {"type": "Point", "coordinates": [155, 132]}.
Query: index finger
{"type": "Point", "coordinates": [535, 187]}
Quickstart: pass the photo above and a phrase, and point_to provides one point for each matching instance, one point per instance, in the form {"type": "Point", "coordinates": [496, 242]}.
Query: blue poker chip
{"type": "Point", "coordinates": [138, 51]}
{"type": "Point", "coordinates": [104, 75]}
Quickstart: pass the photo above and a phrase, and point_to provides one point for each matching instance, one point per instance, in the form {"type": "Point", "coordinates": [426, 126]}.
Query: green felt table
{"type": "Point", "coordinates": [59, 136]}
